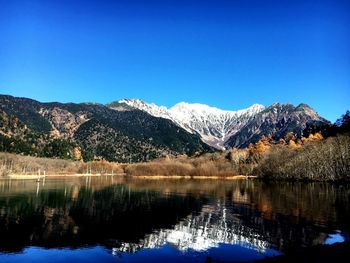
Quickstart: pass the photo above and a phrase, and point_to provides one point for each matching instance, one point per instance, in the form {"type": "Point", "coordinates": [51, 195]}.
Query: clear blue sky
{"type": "Point", "coordinates": [228, 54]}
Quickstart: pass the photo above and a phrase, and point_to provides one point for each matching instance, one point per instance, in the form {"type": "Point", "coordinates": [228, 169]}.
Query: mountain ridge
{"type": "Point", "coordinates": [132, 130]}
{"type": "Point", "coordinates": [217, 127]}
{"type": "Point", "coordinates": [131, 136]}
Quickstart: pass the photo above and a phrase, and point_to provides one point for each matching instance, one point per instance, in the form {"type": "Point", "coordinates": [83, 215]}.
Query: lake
{"type": "Point", "coordinates": [108, 219]}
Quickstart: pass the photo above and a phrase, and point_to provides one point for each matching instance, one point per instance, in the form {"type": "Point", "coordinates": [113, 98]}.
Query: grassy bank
{"type": "Point", "coordinates": [18, 166]}
{"type": "Point", "coordinates": [184, 167]}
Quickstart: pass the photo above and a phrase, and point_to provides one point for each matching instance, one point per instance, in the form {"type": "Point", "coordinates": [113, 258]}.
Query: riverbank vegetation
{"type": "Point", "coordinates": [324, 155]}
{"type": "Point", "coordinates": [28, 165]}
{"type": "Point", "coordinates": [311, 158]}
{"type": "Point", "coordinates": [323, 160]}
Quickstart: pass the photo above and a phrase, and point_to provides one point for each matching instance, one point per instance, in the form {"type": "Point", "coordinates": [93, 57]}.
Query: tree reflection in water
{"type": "Point", "coordinates": [131, 215]}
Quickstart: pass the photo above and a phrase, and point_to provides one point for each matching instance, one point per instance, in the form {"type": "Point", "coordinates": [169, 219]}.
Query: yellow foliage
{"type": "Point", "coordinates": [292, 144]}
{"type": "Point", "coordinates": [262, 145]}
{"type": "Point", "coordinates": [313, 137]}
{"type": "Point", "coordinates": [318, 136]}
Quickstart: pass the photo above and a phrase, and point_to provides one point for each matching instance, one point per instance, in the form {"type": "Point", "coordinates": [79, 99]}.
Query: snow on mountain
{"type": "Point", "coordinates": [215, 126]}
{"type": "Point", "coordinates": [276, 120]}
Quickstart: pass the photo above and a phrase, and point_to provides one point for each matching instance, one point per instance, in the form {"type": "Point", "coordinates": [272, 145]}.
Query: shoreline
{"type": "Point", "coordinates": [33, 176]}
{"type": "Point", "coordinates": [159, 177]}
{"type": "Point", "coordinates": [123, 175]}
{"type": "Point", "coordinates": [215, 177]}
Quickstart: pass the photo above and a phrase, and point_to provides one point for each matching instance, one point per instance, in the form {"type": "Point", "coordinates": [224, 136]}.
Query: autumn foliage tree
{"type": "Point", "coordinates": [263, 145]}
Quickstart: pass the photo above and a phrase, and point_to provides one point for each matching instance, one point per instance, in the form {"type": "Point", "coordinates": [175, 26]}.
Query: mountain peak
{"type": "Point", "coordinates": [280, 104]}
{"type": "Point", "coordinates": [132, 101]}
{"type": "Point", "coordinates": [206, 109]}
{"type": "Point", "coordinates": [303, 106]}
{"type": "Point", "coordinates": [214, 125]}
{"type": "Point", "coordinates": [195, 107]}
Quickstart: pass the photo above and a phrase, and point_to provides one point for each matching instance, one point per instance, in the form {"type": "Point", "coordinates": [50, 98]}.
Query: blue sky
{"type": "Point", "coordinates": [228, 54]}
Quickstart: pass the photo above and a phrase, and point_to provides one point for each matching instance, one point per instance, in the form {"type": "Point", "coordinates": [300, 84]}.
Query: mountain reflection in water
{"type": "Point", "coordinates": [212, 227]}
{"type": "Point", "coordinates": [128, 216]}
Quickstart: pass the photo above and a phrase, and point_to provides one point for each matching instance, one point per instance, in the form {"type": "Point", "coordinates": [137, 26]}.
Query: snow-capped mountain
{"type": "Point", "coordinates": [215, 126]}
{"type": "Point", "coordinates": [276, 120]}
{"type": "Point", "coordinates": [98, 131]}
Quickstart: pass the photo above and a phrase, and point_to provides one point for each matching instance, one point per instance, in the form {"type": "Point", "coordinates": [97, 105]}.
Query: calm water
{"type": "Point", "coordinates": [111, 220]}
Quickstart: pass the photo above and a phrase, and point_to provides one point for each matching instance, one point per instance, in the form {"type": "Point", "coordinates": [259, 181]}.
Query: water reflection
{"type": "Point", "coordinates": [334, 238]}
{"type": "Point", "coordinates": [213, 226]}
{"type": "Point", "coordinates": [127, 216]}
